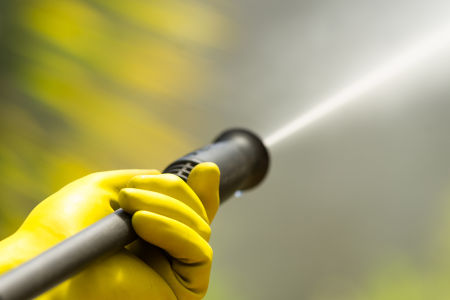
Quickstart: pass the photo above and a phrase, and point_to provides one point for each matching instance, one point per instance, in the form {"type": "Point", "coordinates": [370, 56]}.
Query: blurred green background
{"type": "Point", "coordinates": [356, 207]}
{"type": "Point", "coordinates": [94, 85]}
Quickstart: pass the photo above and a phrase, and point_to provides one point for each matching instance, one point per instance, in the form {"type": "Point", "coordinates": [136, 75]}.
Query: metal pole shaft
{"type": "Point", "coordinates": [67, 258]}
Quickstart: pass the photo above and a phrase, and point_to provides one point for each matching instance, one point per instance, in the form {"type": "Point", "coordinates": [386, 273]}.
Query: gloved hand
{"type": "Point", "coordinates": [173, 259]}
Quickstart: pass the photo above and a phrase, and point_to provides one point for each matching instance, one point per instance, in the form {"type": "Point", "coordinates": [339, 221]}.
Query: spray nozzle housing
{"type": "Point", "coordinates": [241, 156]}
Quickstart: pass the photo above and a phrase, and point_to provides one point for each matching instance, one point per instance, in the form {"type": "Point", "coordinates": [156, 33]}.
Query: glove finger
{"type": "Point", "coordinates": [132, 200]}
{"type": "Point", "coordinates": [204, 180]}
{"type": "Point", "coordinates": [189, 272]}
{"type": "Point", "coordinates": [172, 186]}
{"type": "Point", "coordinates": [195, 279]}
{"type": "Point", "coordinates": [179, 240]}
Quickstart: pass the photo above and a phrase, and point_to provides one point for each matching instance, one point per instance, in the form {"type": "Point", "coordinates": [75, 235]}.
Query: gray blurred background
{"type": "Point", "coordinates": [355, 205]}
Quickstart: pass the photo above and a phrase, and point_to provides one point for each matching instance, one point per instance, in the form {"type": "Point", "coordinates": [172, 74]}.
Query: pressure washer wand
{"type": "Point", "coordinates": [243, 162]}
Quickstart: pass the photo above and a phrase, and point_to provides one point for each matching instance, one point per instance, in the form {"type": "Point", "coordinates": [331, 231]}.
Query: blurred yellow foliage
{"type": "Point", "coordinates": [83, 85]}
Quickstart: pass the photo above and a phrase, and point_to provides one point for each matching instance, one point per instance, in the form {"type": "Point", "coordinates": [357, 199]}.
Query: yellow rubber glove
{"type": "Point", "coordinates": [168, 213]}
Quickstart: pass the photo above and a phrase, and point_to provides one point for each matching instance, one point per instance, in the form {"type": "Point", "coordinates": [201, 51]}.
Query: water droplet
{"type": "Point", "coordinates": [238, 194]}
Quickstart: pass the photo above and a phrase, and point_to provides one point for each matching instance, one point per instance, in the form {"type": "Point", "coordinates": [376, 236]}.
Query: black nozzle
{"type": "Point", "coordinates": [241, 156]}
